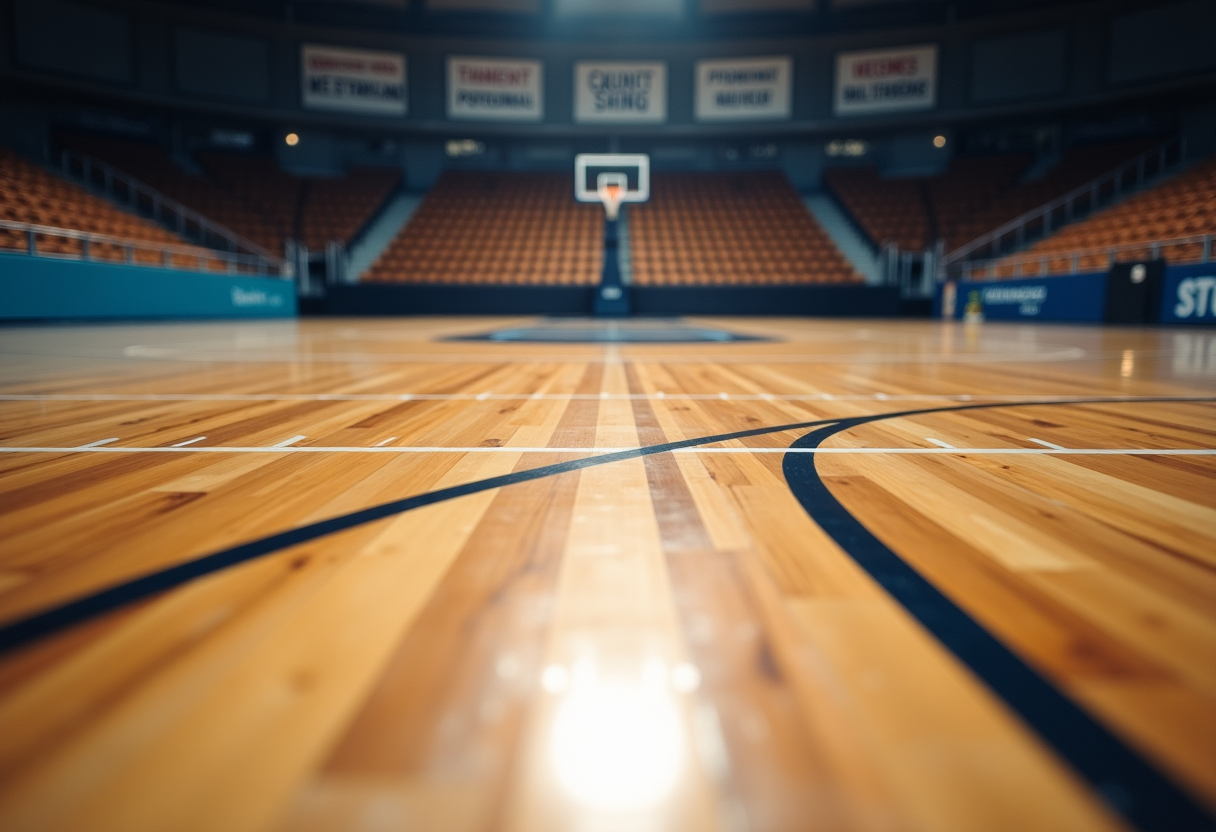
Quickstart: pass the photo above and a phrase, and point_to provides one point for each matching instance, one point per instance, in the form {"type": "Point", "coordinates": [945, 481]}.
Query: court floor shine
{"type": "Point", "coordinates": [784, 574]}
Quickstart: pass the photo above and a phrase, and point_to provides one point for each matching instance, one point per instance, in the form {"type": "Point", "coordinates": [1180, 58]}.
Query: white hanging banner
{"type": "Point", "coordinates": [619, 91]}
{"type": "Point", "coordinates": [353, 80]}
{"type": "Point", "coordinates": [742, 89]}
{"type": "Point", "coordinates": [886, 80]}
{"type": "Point", "coordinates": [495, 89]}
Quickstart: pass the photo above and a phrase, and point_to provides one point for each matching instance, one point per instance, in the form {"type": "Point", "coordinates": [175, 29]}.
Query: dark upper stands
{"type": "Point", "coordinates": [252, 195]}
{"type": "Point", "coordinates": [32, 194]}
{"type": "Point", "coordinates": [150, 164]}
{"type": "Point", "coordinates": [729, 228]}
{"type": "Point", "coordinates": [974, 196]}
{"type": "Point", "coordinates": [515, 228]}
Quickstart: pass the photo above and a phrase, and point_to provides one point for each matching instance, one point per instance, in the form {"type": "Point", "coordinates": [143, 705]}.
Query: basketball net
{"type": "Point", "coordinates": [611, 194]}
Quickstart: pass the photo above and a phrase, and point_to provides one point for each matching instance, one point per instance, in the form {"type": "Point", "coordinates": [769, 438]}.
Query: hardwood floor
{"type": "Point", "coordinates": [676, 640]}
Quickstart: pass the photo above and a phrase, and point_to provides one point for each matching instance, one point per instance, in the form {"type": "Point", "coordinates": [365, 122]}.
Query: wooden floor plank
{"type": "Point", "coordinates": [422, 671]}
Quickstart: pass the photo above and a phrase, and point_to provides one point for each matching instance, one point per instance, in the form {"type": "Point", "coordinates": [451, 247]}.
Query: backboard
{"type": "Point", "coordinates": [612, 178]}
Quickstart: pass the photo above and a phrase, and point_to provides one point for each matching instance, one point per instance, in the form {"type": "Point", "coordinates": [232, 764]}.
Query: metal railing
{"type": "Point", "coordinates": [1082, 201]}
{"type": "Point", "coordinates": [914, 272]}
{"type": "Point", "coordinates": [149, 202]}
{"type": "Point", "coordinates": [1197, 248]}
{"type": "Point", "coordinates": [27, 238]}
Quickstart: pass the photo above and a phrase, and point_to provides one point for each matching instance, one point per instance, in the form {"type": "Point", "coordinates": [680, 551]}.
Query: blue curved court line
{"type": "Point", "coordinates": [1128, 783]}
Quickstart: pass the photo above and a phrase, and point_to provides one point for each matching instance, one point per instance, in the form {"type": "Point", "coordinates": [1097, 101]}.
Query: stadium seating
{"type": "Point", "coordinates": [726, 228]}
{"type": "Point", "coordinates": [338, 208]}
{"type": "Point", "coordinates": [972, 197]}
{"type": "Point", "coordinates": [497, 228]}
{"type": "Point", "coordinates": [31, 194]}
{"type": "Point", "coordinates": [1182, 206]}
{"type": "Point", "coordinates": [150, 163]}
{"type": "Point", "coordinates": [251, 194]}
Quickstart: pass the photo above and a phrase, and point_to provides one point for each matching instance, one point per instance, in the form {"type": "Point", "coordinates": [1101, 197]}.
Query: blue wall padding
{"type": "Point", "coordinates": [42, 287]}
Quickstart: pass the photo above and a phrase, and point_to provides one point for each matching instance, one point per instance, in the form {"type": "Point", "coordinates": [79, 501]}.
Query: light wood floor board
{"type": "Point", "coordinates": [646, 641]}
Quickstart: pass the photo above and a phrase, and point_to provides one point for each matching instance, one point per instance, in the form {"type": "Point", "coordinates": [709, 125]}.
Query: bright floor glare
{"type": "Point", "coordinates": [617, 746]}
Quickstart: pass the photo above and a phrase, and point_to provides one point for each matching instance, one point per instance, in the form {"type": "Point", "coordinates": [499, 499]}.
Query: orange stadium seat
{"type": "Point", "coordinates": [252, 195]}
{"type": "Point", "coordinates": [504, 228]}
{"type": "Point", "coordinates": [1181, 206]}
{"type": "Point", "coordinates": [972, 197]}
{"type": "Point", "coordinates": [30, 193]}
{"type": "Point", "coordinates": [719, 229]}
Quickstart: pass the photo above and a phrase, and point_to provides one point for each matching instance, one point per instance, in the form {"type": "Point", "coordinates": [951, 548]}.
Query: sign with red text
{"type": "Point", "coordinates": [353, 80]}
{"type": "Point", "coordinates": [495, 89]}
{"type": "Point", "coordinates": [886, 80]}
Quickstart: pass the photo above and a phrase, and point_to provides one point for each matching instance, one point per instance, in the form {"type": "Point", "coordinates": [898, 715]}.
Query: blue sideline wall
{"type": "Point", "coordinates": [34, 288]}
{"type": "Point", "coordinates": [1188, 296]}
{"type": "Point", "coordinates": [818, 301]}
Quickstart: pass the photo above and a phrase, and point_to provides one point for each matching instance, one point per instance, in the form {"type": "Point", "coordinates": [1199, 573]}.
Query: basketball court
{"type": "Point", "coordinates": [383, 448]}
{"type": "Point", "coordinates": [385, 574]}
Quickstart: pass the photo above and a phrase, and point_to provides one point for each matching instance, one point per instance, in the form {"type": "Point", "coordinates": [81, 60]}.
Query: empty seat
{"type": "Point", "coordinates": [251, 194]}
{"type": "Point", "coordinates": [971, 197]}
{"type": "Point", "coordinates": [32, 194]}
{"type": "Point", "coordinates": [729, 229]}
{"type": "Point", "coordinates": [1181, 206]}
{"type": "Point", "coordinates": [497, 228]}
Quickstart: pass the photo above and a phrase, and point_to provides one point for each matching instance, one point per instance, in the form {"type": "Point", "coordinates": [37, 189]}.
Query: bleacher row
{"type": "Point", "coordinates": [251, 194]}
{"type": "Point", "coordinates": [697, 229]}
{"type": "Point", "coordinates": [525, 228]}
{"type": "Point", "coordinates": [497, 228]}
{"type": "Point", "coordinates": [973, 196]}
{"type": "Point", "coordinates": [32, 194]}
{"type": "Point", "coordinates": [727, 228]}
{"type": "Point", "coordinates": [1181, 206]}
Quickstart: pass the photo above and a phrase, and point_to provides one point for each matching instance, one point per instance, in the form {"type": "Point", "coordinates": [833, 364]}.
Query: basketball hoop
{"type": "Point", "coordinates": [611, 189]}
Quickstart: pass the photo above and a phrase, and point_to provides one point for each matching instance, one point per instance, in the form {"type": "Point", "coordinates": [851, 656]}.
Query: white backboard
{"type": "Point", "coordinates": [588, 167]}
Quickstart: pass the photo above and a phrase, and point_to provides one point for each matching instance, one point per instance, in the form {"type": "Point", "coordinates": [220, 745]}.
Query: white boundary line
{"type": "Point", "coordinates": [283, 448]}
{"type": "Point", "coordinates": [659, 395]}
{"type": "Point", "coordinates": [606, 353]}
{"type": "Point", "coordinates": [97, 444]}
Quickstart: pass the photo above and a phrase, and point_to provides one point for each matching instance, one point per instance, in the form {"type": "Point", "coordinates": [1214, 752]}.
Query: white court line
{"type": "Point", "coordinates": [399, 449]}
{"type": "Point", "coordinates": [288, 442]}
{"type": "Point", "coordinates": [939, 443]}
{"type": "Point", "coordinates": [393, 397]}
{"type": "Point", "coordinates": [384, 442]}
{"type": "Point", "coordinates": [610, 354]}
{"type": "Point", "coordinates": [98, 443]}
{"type": "Point", "coordinates": [1045, 444]}
{"type": "Point", "coordinates": [188, 442]}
